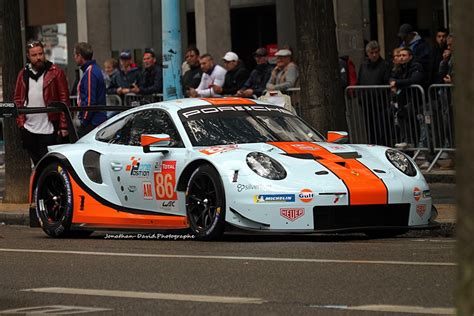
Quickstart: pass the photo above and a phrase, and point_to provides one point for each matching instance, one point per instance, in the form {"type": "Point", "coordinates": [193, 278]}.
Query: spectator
{"type": "Point", "coordinates": [151, 78]}
{"type": "Point", "coordinates": [395, 61]}
{"type": "Point", "coordinates": [410, 72]}
{"type": "Point", "coordinates": [285, 74]}
{"type": "Point", "coordinates": [421, 51]}
{"type": "Point", "coordinates": [127, 76]}
{"type": "Point", "coordinates": [213, 76]}
{"type": "Point", "coordinates": [347, 72]}
{"type": "Point", "coordinates": [38, 84]}
{"type": "Point", "coordinates": [258, 78]}
{"type": "Point", "coordinates": [437, 54]}
{"type": "Point", "coordinates": [192, 77]}
{"type": "Point", "coordinates": [91, 88]}
{"type": "Point", "coordinates": [446, 65]}
{"type": "Point", "coordinates": [110, 70]}
{"type": "Point", "coordinates": [235, 76]}
{"type": "Point", "coordinates": [374, 70]}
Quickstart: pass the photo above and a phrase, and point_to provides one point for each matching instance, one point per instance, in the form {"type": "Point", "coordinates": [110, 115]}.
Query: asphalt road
{"type": "Point", "coordinates": [244, 274]}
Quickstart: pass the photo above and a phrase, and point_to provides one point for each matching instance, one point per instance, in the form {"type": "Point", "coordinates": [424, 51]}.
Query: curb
{"type": "Point", "coordinates": [439, 178]}
{"type": "Point", "coordinates": [14, 219]}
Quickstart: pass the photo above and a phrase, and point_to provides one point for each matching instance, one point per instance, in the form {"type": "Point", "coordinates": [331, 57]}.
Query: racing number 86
{"type": "Point", "coordinates": [164, 186]}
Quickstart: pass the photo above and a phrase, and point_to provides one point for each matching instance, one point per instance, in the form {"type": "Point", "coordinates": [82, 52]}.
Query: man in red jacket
{"type": "Point", "coordinates": [38, 84]}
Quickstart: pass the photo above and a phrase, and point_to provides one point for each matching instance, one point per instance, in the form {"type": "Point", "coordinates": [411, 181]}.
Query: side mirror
{"type": "Point", "coordinates": [155, 142]}
{"type": "Point", "coordinates": [338, 137]}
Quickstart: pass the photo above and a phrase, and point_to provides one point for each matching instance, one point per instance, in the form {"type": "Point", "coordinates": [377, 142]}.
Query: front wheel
{"type": "Point", "coordinates": [205, 204]}
{"type": "Point", "coordinates": [53, 197]}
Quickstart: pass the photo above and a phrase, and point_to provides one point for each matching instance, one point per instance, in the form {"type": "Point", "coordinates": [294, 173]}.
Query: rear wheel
{"type": "Point", "coordinates": [205, 204]}
{"type": "Point", "coordinates": [53, 197]}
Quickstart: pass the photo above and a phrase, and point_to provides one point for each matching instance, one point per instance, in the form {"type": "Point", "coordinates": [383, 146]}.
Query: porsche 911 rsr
{"type": "Point", "coordinates": [208, 164]}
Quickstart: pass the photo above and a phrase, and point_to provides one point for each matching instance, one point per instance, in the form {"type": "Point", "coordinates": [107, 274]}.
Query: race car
{"type": "Point", "coordinates": [205, 165]}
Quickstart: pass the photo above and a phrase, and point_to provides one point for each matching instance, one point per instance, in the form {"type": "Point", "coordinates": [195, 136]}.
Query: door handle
{"type": "Point", "coordinates": [116, 166]}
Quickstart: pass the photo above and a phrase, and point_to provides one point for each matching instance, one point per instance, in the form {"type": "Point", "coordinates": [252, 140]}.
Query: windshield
{"type": "Point", "coordinates": [222, 125]}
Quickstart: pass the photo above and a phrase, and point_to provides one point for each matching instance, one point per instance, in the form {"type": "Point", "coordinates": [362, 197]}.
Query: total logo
{"type": "Point", "coordinates": [417, 194]}
{"type": "Point", "coordinates": [306, 195]}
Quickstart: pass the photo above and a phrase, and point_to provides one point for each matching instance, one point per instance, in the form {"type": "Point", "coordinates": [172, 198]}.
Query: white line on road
{"type": "Point", "coordinates": [394, 309]}
{"type": "Point", "coordinates": [302, 260]}
{"type": "Point", "coordinates": [150, 295]}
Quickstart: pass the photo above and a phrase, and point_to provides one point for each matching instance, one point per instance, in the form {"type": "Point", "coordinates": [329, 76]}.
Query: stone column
{"type": "Point", "coordinates": [213, 27]}
{"type": "Point", "coordinates": [350, 29]}
{"type": "Point", "coordinates": [286, 27]}
{"type": "Point", "coordinates": [98, 29]}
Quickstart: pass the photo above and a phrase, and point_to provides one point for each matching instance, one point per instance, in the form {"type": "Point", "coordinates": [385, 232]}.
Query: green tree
{"type": "Point", "coordinates": [17, 161]}
{"type": "Point", "coordinates": [322, 96]}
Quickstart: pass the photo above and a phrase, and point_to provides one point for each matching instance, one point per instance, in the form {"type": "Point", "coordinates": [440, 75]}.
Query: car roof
{"type": "Point", "coordinates": [179, 104]}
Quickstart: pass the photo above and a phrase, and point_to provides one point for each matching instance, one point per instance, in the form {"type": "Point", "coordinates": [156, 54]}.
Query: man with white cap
{"type": "Point", "coordinates": [235, 77]}
{"type": "Point", "coordinates": [212, 79]}
{"type": "Point", "coordinates": [285, 74]}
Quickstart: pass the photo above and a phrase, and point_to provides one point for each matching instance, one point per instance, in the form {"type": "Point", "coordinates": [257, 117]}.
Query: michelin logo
{"type": "Point", "coordinates": [265, 198]}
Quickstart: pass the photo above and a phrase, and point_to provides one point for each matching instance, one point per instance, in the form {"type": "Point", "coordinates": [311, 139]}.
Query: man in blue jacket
{"type": "Point", "coordinates": [90, 90]}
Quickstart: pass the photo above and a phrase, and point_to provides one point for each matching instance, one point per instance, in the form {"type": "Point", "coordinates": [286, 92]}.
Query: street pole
{"type": "Point", "coordinates": [171, 50]}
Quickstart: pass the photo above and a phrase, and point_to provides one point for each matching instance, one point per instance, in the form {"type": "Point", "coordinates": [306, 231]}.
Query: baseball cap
{"type": "Point", "coordinates": [260, 52]}
{"type": "Point", "coordinates": [405, 29]}
{"type": "Point", "coordinates": [230, 56]}
{"type": "Point", "coordinates": [283, 53]}
{"type": "Point", "coordinates": [126, 54]}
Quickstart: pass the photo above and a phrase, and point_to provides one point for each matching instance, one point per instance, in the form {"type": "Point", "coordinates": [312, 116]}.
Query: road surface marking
{"type": "Point", "coordinates": [54, 310]}
{"type": "Point", "coordinates": [393, 309]}
{"type": "Point", "coordinates": [150, 295]}
{"type": "Point", "coordinates": [303, 260]}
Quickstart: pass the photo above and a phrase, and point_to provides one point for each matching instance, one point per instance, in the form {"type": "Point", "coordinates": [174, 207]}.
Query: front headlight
{"type": "Point", "coordinates": [401, 162]}
{"type": "Point", "coordinates": [265, 166]}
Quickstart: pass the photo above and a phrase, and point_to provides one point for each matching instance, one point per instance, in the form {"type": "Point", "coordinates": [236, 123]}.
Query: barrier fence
{"type": "Point", "coordinates": [405, 118]}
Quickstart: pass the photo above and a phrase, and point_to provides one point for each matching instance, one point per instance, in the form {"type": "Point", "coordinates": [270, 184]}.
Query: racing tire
{"type": "Point", "coordinates": [54, 202]}
{"type": "Point", "coordinates": [205, 204]}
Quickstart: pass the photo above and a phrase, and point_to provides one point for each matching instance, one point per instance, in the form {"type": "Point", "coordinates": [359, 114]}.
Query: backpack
{"type": "Point", "coordinates": [348, 67]}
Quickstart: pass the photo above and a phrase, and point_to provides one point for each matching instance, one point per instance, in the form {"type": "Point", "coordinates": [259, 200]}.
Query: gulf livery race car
{"type": "Point", "coordinates": [205, 164]}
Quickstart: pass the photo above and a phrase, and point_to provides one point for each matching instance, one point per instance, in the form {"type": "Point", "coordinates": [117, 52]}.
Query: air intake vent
{"type": "Point", "coordinates": [91, 162]}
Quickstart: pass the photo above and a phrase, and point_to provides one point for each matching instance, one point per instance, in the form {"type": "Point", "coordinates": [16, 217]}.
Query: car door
{"type": "Point", "coordinates": [145, 181]}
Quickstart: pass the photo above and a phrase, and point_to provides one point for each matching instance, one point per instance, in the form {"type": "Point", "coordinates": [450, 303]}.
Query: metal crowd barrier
{"type": "Point", "coordinates": [111, 99]}
{"type": "Point", "coordinates": [440, 100]}
{"type": "Point", "coordinates": [133, 99]}
{"type": "Point", "coordinates": [377, 115]}
{"type": "Point", "coordinates": [294, 94]}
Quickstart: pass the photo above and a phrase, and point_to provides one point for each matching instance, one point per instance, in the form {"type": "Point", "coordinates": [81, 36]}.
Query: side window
{"type": "Point", "coordinates": [128, 130]}
{"type": "Point", "coordinates": [116, 133]}
{"type": "Point", "coordinates": [153, 121]}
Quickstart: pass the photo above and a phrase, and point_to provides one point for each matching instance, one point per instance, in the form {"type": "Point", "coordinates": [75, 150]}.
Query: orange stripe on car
{"type": "Point", "coordinates": [87, 210]}
{"type": "Point", "coordinates": [363, 185]}
{"type": "Point", "coordinates": [227, 101]}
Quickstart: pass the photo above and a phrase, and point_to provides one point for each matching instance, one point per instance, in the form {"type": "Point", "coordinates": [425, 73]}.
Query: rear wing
{"type": "Point", "coordinates": [10, 110]}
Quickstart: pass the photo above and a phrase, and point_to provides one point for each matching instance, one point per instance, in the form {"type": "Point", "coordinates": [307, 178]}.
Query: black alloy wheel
{"type": "Point", "coordinates": [205, 204]}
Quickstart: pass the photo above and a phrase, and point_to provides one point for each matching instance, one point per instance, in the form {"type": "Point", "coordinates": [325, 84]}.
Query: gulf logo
{"type": "Point", "coordinates": [417, 194]}
{"type": "Point", "coordinates": [306, 195]}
